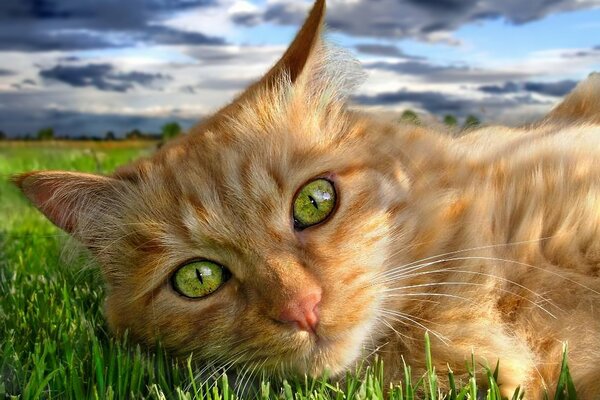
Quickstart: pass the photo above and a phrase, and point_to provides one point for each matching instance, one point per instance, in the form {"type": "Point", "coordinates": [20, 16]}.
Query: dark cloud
{"type": "Point", "coordinates": [166, 35]}
{"type": "Point", "coordinates": [383, 50]}
{"type": "Point", "coordinates": [412, 18]}
{"type": "Point", "coordinates": [508, 87]}
{"type": "Point", "coordinates": [556, 89]}
{"type": "Point", "coordinates": [445, 73]}
{"type": "Point", "coordinates": [101, 76]}
{"type": "Point", "coordinates": [24, 84]}
{"type": "Point", "coordinates": [238, 56]}
{"type": "Point", "coordinates": [219, 84]}
{"type": "Point", "coordinates": [6, 72]}
{"type": "Point", "coordinates": [45, 25]}
{"type": "Point", "coordinates": [441, 103]}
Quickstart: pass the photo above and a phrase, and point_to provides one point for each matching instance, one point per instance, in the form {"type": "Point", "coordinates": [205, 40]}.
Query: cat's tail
{"type": "Point", "coordinates": [581, 106]}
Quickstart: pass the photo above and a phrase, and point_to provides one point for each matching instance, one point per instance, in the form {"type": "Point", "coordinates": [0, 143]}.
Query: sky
{"type": "Point", "coordinates": [87, 67]}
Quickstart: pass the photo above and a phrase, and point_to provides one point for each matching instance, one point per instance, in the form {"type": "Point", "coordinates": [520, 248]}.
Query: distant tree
{"type": "Point", "coordinates": [110, 135]}
{"type": "Point", "coordinates": [45, 134]}
{"type": "Point", "coordinates": [170, 130]}
{"type": "Point", "coordinates": [471, 122]}
{"type": "Point", "coordinates": [450, 120]}
{"type": "Point", "coordinates": [3, 136]}
{"type": "Point", "coordinates": [134, 134]}
{"type": "Point", "coordinates": [410, 117]}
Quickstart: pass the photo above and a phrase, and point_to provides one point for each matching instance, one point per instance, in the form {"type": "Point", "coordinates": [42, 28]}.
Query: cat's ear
{"type": "Point", "coordinates": [72, 201]}
{"type": "Point", "coordinates": [582, 105]}
{"type": "Point", "coordinates": [305, 47]}
{"type": "Point", "coordinates": [308, 43]}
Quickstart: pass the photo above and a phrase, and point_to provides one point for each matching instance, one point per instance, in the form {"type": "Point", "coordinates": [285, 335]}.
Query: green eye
{"type": "Point", "coordinates": [314, 204]}
{"type": "Point", "coordinates": [199, 279]}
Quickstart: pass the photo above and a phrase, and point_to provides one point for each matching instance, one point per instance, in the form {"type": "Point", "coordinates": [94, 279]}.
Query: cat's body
{"type": "Point", "coordinates": [511, 225]}
{"type": "Point", "coordinates": [490, 241]}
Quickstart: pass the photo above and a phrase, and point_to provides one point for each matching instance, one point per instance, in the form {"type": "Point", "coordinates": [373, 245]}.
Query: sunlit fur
{"type": "Point", "coordinates": [490, 241]}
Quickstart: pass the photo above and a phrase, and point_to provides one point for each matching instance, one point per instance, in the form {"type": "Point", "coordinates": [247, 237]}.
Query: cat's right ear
{"type": "Point", "coordinates": [72, 201]}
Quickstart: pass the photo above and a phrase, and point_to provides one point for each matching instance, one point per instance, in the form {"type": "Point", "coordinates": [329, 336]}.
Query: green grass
{"type": "Point", "coordinates": [54, 342]}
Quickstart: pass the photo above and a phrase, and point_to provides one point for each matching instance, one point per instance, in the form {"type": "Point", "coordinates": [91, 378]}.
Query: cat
{"type": "Point", "coordinates": [293, 234]}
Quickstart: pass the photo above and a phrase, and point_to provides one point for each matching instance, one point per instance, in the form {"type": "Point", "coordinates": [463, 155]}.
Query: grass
{"type": "Point", "coordinates": [54, 342]}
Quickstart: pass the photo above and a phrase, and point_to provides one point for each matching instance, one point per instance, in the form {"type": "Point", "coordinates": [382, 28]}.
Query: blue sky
{"type": "Point", "coordinates": [89, 67]}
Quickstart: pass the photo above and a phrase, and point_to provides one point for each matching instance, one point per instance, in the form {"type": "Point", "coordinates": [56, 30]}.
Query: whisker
{"type": "Point", "coordinates": [524, 265]}
{"type": "Point", "coordinates": [467, 250]}
{"type": "Point", "coordinates": [399, 313]}
{"type": "Point", "coordinates": [433, 284]}
{"type": "Point", "coordinates": [441, 337]}
{"type": "Point", "coordinates": [395, 331]}
{"type": "Point", "coordinates": [481, 274]}
{"type": "Point", "coordinates": [424, 294]}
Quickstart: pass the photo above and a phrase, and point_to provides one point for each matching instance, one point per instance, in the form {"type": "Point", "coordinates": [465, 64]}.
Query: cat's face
{"type": "Point", "coordinates": [288, 291]}
{"type": "Point", "coordinates": [233, 204]}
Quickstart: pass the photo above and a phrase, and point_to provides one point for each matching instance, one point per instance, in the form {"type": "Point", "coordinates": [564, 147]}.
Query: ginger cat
{"type": "Point", "coordinates": [292, 234]}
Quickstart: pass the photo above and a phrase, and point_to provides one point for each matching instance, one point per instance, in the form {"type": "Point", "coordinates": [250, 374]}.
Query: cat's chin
{"type": "Point", "coordinates": [331, 355]}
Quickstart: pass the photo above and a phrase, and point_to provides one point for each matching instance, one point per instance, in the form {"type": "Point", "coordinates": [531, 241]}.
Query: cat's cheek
{"type": "Point", "coordinates": [177, 321]}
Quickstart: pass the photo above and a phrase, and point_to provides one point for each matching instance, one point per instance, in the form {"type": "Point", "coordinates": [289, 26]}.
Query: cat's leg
{"type": "Point", "coordinates": [453, 345]}
{"type": "Point", "coordinates": [490, 344]}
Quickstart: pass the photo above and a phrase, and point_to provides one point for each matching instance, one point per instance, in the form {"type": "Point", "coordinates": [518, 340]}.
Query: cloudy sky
{"type": "Point", "coordinates": [92, 66]}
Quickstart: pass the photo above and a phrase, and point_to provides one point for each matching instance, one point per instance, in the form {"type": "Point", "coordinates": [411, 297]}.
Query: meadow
{"type": "Point", "coordinates": [54, 342]}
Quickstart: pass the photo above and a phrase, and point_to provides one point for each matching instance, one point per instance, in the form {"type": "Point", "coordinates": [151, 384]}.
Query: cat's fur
{"type": "Point", "coordinates": [491, 241]}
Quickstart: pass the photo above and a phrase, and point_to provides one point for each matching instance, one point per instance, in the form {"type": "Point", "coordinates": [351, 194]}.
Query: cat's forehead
{"type": "Point", "coordinates": [218, 189]}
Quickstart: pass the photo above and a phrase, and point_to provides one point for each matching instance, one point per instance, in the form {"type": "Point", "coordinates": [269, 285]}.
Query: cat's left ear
{"type": "Point", "coordinates": [306, 46]}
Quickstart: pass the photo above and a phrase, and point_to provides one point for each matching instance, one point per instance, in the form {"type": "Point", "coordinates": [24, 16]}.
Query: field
{"type": "Point", "coordinates": [53, 339]}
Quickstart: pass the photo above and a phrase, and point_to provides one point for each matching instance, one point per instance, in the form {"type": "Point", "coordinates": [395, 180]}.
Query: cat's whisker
{"type": "Point", "coordinates": [239, 381]}
{"type": "Point", "coordinates": [398, 276]}
{"type": "Point", "coordinates": [375, 350]}
{"type": "Point", "coordinates": [254, 367]}
{"type": "Point", "coordinates": [402, 335]}
{"type": "Point", "coordinates": [464, 251]}
{"type": "Point", "coordinates": [210, 364]}
{"type": "Point", "coordinates": [425, 294]}
{"type": "Point", "coordinates": [245, 368]}
{"type": "Point", "coordinates": [453, 270]}
{"type": "Point", "coordinates": [523, 264]}
{"type": "Point", "coordinates": [223, 369]}
{"type": "Point", "coordinates": [216, 369]}
{"type": "Point", "coordinates": [398, 313]}
{"type": "Point", "coordinates": [402, 318]}
{"type": "Point", "coordinates": [422, 300]}
{"type": "Point", "coordinates": [250, 367]}
{"type": "Point", "coordinates": [435, 284]}
{"type": "Point", "coordinates": [215, 361]}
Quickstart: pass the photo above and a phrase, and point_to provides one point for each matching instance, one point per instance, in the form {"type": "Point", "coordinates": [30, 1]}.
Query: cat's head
{"type": "Point", "coordinates": [256, 238]}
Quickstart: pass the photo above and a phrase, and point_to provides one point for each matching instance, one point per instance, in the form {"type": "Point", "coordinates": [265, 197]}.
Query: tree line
{"type": "Point", "coordinates": [470, 122]}
{"type": "Point", "coordinates": [173, 129]}
{"type": "Point", "coordinates": [168, 131]}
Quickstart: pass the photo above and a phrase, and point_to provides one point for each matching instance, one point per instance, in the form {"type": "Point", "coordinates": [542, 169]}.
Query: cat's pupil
{"type": "Point", "coordinates": [313, 202]}
{"type": "Point", "coordinates": [199, 276]}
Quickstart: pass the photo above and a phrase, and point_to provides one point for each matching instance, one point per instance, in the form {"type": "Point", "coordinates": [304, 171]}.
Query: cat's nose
{"type": "Point", "coordinates": [303, 312]}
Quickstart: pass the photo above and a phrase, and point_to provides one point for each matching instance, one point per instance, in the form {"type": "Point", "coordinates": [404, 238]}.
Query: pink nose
{"type": "Point", "coordinates": [303, 312]}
